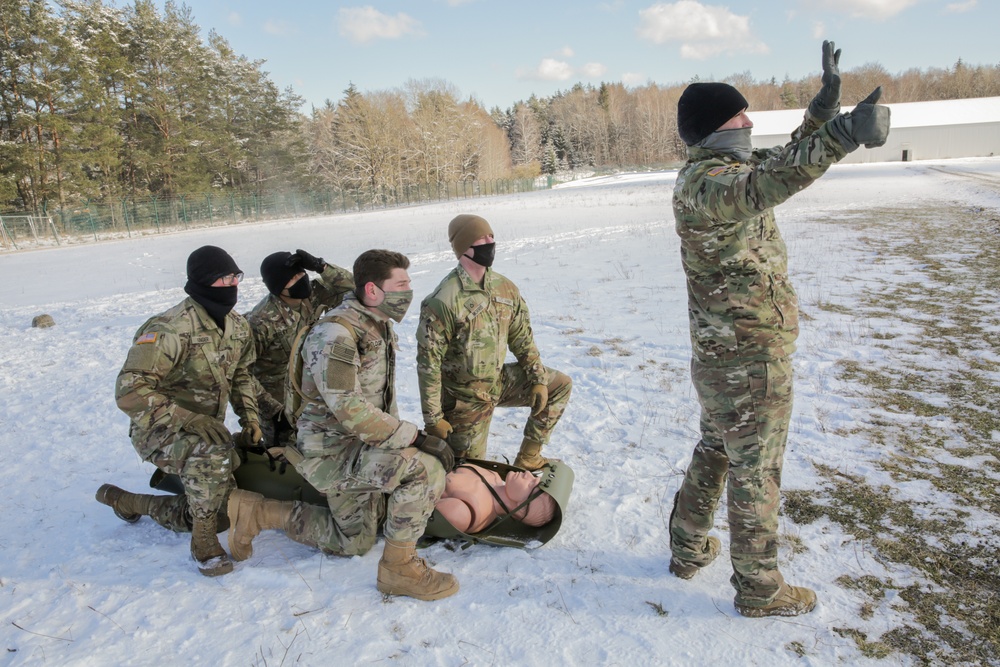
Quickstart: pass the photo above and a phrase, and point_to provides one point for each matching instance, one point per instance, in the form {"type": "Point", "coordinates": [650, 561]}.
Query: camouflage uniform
{"type": "Point", "coordinates": [180, 364]}
{"type": "Point", "coordinates": [744, 321]}
{"type": "Point", "coordinates": [462, 341]}
{"type": "Point", "coordinates": [354, 445]}
{"type": "Point", "coordinates": [275, 325]}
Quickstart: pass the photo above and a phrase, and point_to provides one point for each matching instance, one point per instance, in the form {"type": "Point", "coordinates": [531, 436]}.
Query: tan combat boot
{"type": "Point", "coordinates": [790, 601]}
{"type": "Point", "coordinates": [205, 548]}
{"type": "Point", "coordinates": [529, 457]}
{"type": "Point", "coordinates": [402, 572]}
{"type": "Point", "coordinates": [127, 506]}
{"type": "Point", "coordinates": [686, 569]}
{"type": "Point", "coordinates": [250, 513]}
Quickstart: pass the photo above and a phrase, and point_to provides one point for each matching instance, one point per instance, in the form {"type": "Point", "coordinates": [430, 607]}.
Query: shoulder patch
{"type": "Point", "coordinates": [343, 350]}
{"type": "Point", "coordinates": [719, 171]}
{"type": "Point", "coordinates": [147, 338]}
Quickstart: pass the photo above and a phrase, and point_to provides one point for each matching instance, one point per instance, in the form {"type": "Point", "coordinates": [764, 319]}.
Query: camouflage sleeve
{"type": "Point", "coordinates": [434, 332]}
{"type": "Point", "coordinates": [244, 387]}
{"type": "Point", "coordinates": [332, 285]}
{"type": "Point", "coordinates": [267, 406]}
{"type": "Point", "coordinates": [153, 354]}
{"type": "Point", "coordinates": [521, 341]}
{"type": "Point", "coordinates": [740, 191]}
{"type": "Point", "coordinates": [331, 355]}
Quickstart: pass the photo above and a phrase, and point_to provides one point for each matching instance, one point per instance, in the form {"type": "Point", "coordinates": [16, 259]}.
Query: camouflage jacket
{"type": "Point", "coordinates": [275, 325]}
{"type": "Point", "coordinates": [348, 378]}
{"type": "Point", "coordinates": [181, 363]}
{"type": "Point", "coordinates": [741, 305]}
{"type": "Point", "coordinates": [463, 337]}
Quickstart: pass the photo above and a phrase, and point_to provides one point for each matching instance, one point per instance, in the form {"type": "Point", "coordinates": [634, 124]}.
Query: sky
{"type": "Point", "coordinates": [598, 265]}
{"type": "Point", "coordinates": [503, 52]}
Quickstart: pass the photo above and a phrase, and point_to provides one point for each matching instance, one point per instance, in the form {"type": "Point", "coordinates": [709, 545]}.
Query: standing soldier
{"type": "Point", "coordinates": [744, 321]}
{"type": "Point", "coordinates": [466, 326]}
{"type": "Point", "coordinates": [184, 366]}
{"type": "Point", "coordinates": [353, 447]}
{"type": "Point", "coordinates": [294, 303]}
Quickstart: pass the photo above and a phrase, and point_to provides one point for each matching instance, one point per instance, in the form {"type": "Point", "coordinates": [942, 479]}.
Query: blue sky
{"type": "Point", "coordinates": [502, 52]}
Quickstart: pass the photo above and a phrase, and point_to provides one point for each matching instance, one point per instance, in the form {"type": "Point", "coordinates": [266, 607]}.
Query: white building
{"type": "Point", "coordinates": [918, 130]}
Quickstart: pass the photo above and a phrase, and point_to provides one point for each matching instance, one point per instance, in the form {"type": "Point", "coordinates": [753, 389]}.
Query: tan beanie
{"type": "Point", "coordinates": [465, 230]}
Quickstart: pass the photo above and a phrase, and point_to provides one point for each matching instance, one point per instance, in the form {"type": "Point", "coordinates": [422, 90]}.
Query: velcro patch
{"type": "Point", "coordinates": [147, 338]}
{"type": "Point", "coordinates": [506, 302]}
{"type": "Point", "coordinates": [340, 375]}
{"type": "Point", "coordinates": [719, 171]}
{"type": "Point", "coordinates": [344, 350]}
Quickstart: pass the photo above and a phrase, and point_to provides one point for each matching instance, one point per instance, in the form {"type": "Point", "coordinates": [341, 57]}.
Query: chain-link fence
{"type": "Point", "coordinates": [95, 221]}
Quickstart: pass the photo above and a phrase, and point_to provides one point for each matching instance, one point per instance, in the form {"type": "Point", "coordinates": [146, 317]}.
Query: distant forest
{"type": "Point", "coordinates": [99, 103]}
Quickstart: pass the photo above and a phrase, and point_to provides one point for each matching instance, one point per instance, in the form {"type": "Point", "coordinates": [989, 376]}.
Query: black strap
{"type": "Point", "coordinates": [489, 530]}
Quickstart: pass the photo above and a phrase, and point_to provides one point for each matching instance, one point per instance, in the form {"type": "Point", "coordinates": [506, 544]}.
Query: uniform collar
{"type": "Point", "coordinates": [205, 320]}
{"type": "Point", "coordinates": [470, 285]}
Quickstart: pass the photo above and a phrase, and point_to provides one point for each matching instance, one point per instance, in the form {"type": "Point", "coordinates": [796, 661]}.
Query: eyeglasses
{"type": "Point", "coordinates": [230, 279]}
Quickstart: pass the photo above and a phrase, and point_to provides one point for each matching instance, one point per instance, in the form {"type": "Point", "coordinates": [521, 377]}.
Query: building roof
{"type": "Point", "coordinates": [907, 114]}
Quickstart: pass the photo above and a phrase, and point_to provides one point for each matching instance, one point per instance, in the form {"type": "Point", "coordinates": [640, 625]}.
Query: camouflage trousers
{"type": "Point", "coordinates": [205, 470]}
{"type": "Point", "coordinates": [471, 420]}
{"type": "Point", "coordinates": [363, 485]}
{"type": "Point", "coordinates": [745, 412]}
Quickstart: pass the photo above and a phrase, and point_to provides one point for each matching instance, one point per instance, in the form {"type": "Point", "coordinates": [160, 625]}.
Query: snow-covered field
{"type": "Point", "coordinates": [599, 266]}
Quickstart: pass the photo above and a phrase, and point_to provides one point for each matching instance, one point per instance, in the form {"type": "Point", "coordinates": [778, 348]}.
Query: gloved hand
{"type": "Point", "coordinates": [539, 398]}
{"type": "Point", "coordinates": [826, 104]}
{"type": "Point", "coordinates": [209, 429]}
{"type": "Point", "coordinates": [256, 435]}
{"type": "Point", "coordinates": [868, 124]}
{"type": "Point", "coordinates": [436, 447]}
{"type": "Point", "coordinates": [440, 430]}
{"type": "Point", "coordinates": [307, 261]}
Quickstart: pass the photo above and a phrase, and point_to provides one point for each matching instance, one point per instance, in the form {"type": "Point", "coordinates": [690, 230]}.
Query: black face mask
{"type": "Point", "coordinates": [484, 254]}
{"type": "Point", "coordinates": [218, 301]}
{"type": "Point", "coordinates": [302, 289]}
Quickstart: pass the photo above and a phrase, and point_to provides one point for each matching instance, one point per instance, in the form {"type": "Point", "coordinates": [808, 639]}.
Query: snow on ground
{"type": "Point", "coordinates": [599, 266]}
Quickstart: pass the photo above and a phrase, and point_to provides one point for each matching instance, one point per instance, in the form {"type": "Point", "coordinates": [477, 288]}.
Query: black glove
{"type": "Point", "coordinates": [868, 124]}
{"type": "Point", "coordinates": [307, 261]}
{"type": "Point", "coordinates": [209, 429]}
{"type": "Point", "coordinates": [826, 104]}
{"type": "Point", "coordinates": [436, 447]}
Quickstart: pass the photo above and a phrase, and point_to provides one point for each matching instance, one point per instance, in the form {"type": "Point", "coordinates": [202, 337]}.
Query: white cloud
{"type": "Point", "coordinates": [593, 70]}
{"type": "Point", "coordinates": [703, 31]}
{"type": "Point", "coordinates": [234, 18]}
{"type": "Point", "coordinates": [566, 52]}
{"type": "Point", "coordinates": [364, 24]}
{"type": "Point", "coordinates": [279, 28]}
{"type": "Point", "coordinates": [633, 78]}
{"type": "Point", "coordinates": [877, 10]}
{"type": "Point", "coordinates": [549, 69]}
{"type": "Point", "coordinates": [961, 7]}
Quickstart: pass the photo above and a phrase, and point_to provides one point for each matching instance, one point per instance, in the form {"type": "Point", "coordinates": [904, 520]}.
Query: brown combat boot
{"type": "Point", "coordinates": [402, 572]}
{"type": "Point", "coordinates": [790, 601]}
{"type": "Point", "coordinates": [127, 506]}
{"type": "Point", "coordinates": [529, 457]}
{"type": "Point", "coordinates": [205, 548]}
{"type": "Point", "coordinates": [250, 513]}
{"type": "Point", "coordinates": [686, 569]}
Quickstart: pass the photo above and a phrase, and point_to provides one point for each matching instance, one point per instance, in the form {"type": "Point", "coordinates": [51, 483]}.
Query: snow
{"type": "Point", "coordinates": [598, 264]}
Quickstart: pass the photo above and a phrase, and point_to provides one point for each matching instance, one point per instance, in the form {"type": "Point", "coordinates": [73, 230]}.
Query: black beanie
{"type": "Point", "coordinates": [209, 263]}
{"type": "Point", "coordinates": [276, 272]}
{"type": "Point", "coordinates": [704, 107]}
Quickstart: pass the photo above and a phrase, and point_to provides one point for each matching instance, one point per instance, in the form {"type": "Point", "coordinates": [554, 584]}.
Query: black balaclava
{"type": "Point", "coordinates": [276, 270]}
{"type": "Point", "coordinates": [302, 289]}
{"type": "Point", "coordinates": [204, 266]}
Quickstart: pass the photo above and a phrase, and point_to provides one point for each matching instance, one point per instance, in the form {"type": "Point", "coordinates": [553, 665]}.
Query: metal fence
{"type": "Point", "coordinates": [95, 221]}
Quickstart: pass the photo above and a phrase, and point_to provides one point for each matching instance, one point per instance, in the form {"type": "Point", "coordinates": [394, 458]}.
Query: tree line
{"type": "Point", "coordinates": [99, 103]}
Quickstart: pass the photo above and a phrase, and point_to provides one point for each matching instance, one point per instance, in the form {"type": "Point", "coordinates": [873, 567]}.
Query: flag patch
{"type": "Point", "coordinates": [147, 338]}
